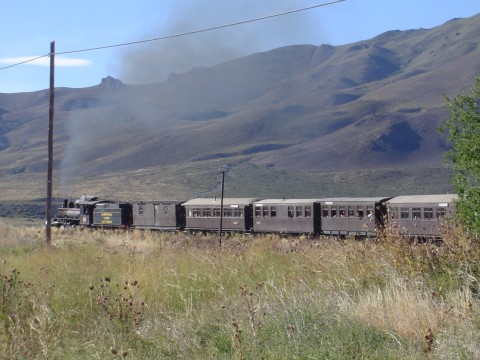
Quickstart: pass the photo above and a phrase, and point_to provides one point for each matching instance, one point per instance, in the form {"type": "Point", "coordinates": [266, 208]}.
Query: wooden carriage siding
{"type": "Point", "coordinates": [352, 216]}
{"type": "Point", "coordinates": [294, 216]}
{"type": "Point", "coordinates": [161, 215]}
{"type": "Point", "coordinates": [421, 215]}
{"type": "Point", "coordinates": [204, 214]}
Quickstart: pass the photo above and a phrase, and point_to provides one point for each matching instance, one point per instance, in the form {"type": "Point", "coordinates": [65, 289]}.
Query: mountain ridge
{"type": "Point", "coordinates": [371, 104]}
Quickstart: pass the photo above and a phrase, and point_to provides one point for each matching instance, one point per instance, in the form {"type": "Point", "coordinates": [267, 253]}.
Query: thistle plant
{"type": "Point", "coordinates": [121, 302]}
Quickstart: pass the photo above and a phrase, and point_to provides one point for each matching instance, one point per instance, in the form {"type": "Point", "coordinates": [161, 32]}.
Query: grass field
{"type": "Point", "coordinates": [202, 179]}
{"type": "Point", "coordinates": [142, 295]}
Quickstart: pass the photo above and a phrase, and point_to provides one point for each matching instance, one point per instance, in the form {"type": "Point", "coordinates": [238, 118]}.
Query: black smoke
{"type": "Point", "coordinates": [155, 61]}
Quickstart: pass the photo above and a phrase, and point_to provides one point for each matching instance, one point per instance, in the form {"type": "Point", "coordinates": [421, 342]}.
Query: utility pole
{"type": "Point", "coordinates": [50, 144]}
{"type": "Point", "coordinates": [221, 211]}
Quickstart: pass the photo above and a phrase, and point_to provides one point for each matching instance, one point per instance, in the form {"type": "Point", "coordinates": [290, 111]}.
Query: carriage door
{"type": "Point", "coordinates": [158, 215]}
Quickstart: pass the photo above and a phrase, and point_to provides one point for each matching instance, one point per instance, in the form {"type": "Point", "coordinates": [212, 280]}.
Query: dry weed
{"type": "Point", "coordinates": [409, 310]}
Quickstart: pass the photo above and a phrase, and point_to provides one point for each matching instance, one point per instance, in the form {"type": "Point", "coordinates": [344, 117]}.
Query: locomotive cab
{"type": "Point", "coordinates": [86, 212]}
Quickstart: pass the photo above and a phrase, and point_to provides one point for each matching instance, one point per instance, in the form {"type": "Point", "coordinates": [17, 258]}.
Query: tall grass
{"type": "Point", "coordinates": [147, 295]}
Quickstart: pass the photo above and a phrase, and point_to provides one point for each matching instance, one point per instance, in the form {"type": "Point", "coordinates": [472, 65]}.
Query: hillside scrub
{"type": "Point", "coordinates": [148, 295]}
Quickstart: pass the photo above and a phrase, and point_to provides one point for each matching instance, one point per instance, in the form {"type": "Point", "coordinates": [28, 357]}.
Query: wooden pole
{"type": "Point", "coordinates": [50, 144]}
{"type": "Point", "coordinates": [221, 212]}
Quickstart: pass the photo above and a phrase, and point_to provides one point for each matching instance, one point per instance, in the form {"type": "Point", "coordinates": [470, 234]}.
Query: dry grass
{"type": "Point", "coordinates": [409, 310]}
{"type": "Point", "coordinates": [143, 295]}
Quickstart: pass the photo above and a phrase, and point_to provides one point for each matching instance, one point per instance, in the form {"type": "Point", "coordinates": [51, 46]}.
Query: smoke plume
{"type": "Point", "coordinates": [154, 61]}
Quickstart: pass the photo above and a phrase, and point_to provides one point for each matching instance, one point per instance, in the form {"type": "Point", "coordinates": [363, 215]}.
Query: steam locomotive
{"type": "Point", "coordinates": [413, 215]}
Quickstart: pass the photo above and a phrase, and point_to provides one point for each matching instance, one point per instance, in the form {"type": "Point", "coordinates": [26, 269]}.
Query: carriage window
{"type": "Point", "coordinates": [417, 213]}
{"type": "Point", "coordinates": [342, 212]}
{"type": "Point", "coordinates": [195, 212]}
{"type": "Point", "coordinates": [351, 212]}
{"type": "Point", "coordinates": [299, 211]}
{"type": "Point", "coordinates": [360, 213]}
{"type": "Point", "coordinates": [334, 212]}
{"type": "Point", "coordinates": [238, 212]}
{"type": "Point", "coordinates": [273, 211]}
{"type": "Point", "coordinates": [308, 211]}
{"type": "Point", "coordinates": [140, 210]}
{"type": "Point", "coordinates": [290, 211]}
{"type": "Point", "coordinates": [265, 211]}
{"type": "Point", "coordinates": [227, 212]}
{"type": "Point", "coordinates": [325, 212]}
{"type": "Point", "coordinates": [404, 213]}
{"type": "Point", "coordinates": [206, 212]}
{"type": "Point", "coordinates": [258, 211]}
{"type": "Point", "coordinates": [216, 212]}
{"type": "Point", "coordinates": [428, 213]}
{"type": "Point", "coordinates": [441, 212]}
{"type": "Point", "coordinates": [166, 210]}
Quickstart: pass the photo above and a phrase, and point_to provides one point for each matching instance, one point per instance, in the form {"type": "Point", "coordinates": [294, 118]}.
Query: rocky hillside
{"type": "Point", "coordinates": [372, 104]}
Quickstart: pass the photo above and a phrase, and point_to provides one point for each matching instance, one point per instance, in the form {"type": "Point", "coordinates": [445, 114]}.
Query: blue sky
{"type": "Point", "coordinates": [28, 27]}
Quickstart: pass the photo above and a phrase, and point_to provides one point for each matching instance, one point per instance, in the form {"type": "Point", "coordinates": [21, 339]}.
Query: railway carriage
{"type": "Point", "coordinates": [159, 215]}
{"type": "Point", "coordinates": [421, 215]}
{"type": "Point", "coordinates": [414, 215]}
{"type": "Point", "coordinates": [204, 214]}
{"type": "Point", "coordinates": [352, 216]}
{"type": "Point", "coordinates": [291, 216]}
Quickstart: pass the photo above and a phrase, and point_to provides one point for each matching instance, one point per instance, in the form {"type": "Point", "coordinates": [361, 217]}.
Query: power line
{"type": "Point", "coordinates": [180, 34]}
{"type": "Point", "coordinates": [242, 22]}
{"type": "Point", "coordinates": [24, 62]}
{"type": "Point", "coordinates": [203, 30]}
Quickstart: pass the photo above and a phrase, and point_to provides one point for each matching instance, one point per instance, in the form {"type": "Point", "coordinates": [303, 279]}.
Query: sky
{"type": "Point", "coordinates": [29, 26]}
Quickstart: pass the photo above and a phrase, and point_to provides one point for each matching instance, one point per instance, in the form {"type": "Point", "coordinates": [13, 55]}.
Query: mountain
{"type": "Point", "coordinates": [373, 104]}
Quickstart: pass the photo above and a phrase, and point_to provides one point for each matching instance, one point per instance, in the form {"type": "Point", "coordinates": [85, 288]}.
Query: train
{"type": "Point", "coordinates": [418, 216]}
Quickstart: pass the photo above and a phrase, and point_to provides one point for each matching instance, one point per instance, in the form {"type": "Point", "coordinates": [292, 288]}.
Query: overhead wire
{"type": "Point", "coordinates": [187, 33]}
{"type": "Point", "coordinates": [198, 31]}
{"type": "Point", "coordinates": [202, 30]}
{"type": "Point", "coordinates": [24, 62]}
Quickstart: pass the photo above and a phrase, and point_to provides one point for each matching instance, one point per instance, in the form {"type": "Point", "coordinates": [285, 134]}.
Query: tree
{"type": "Point", "coordinates": [463, 127]}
